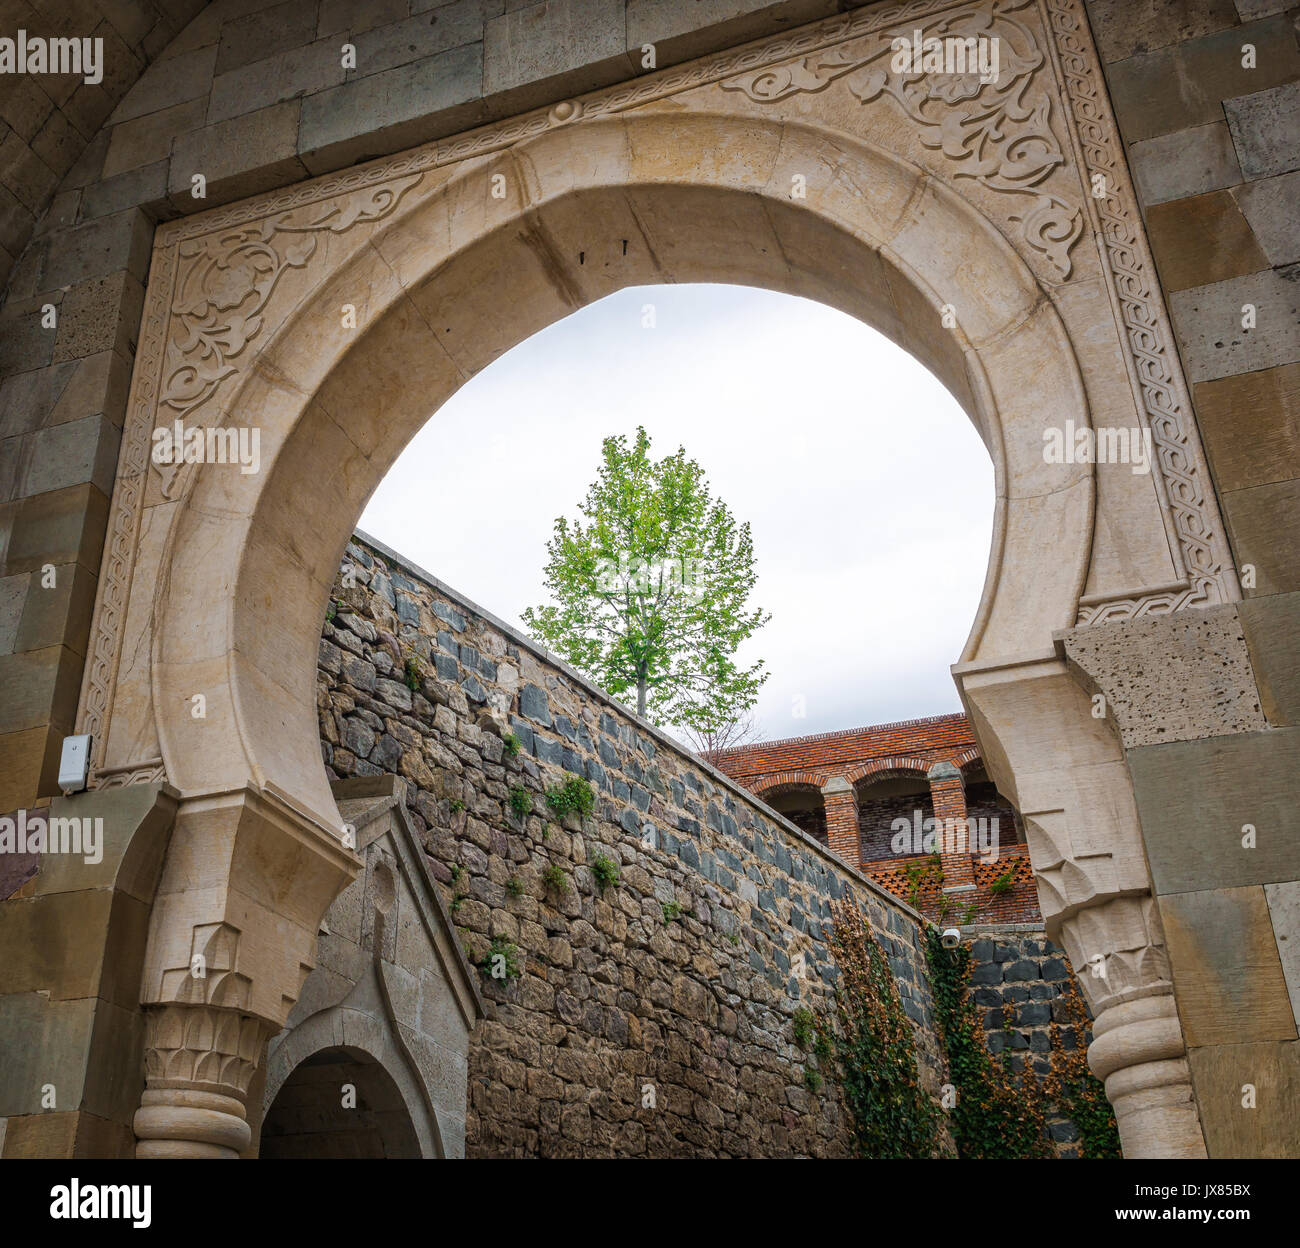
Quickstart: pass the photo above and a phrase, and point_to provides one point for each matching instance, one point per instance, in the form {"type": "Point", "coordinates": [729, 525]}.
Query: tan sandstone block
{"type": "Point", "coordinates": [1229, 979]}
{"type": "Point", "coordinates": [1221, 1074]}
{"type": "Point", "coordinates": [1284, 910]}
{"type": "Point", "coordinates": [1196, 797]}
{"type": "Point", "coordinates": [29, 764]}
{"type": "Point", "coordinates": [1264, 524]}
{"type": "Point", "coordinates": [1251, 426]}
{"type": "Point", "coordinates": [54, 944]}
{"type": "Point", "coordinates": [1202, 239]}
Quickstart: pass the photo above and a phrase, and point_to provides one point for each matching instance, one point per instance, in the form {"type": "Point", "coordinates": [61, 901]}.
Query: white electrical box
{"type": "Point", "coordinates": [74, 764]}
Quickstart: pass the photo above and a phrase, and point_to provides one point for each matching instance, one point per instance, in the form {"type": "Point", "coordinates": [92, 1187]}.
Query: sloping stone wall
{"type": "Point", "coordinates": [652, 1016]}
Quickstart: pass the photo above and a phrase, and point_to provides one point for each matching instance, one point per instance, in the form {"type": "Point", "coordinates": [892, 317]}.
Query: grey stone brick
{"type": "Point", "coordinates": [242, 156]}
{"type": "Point", "coordinates": [426, 34]}
{"type": "Point", "coordinates": [398, 108]}
{"type": "Point", "coordinates": [1184, 85]}
{"type": "Point", "coordinates": [1208, 320]}
{"type": "Point", "coordinates": [120, 242]}
{"type": "Point", "coordinates": [298, 71]}
{"type": "Point", "coordinates": [71, 453]}
{"type": "Point", "coordinates": [533, 704]}
{"type": "Point", "coordinates": [583, 43]}
{"type": "Point", "coordinates": [256, 36]}
{"type": "Point", "coordinates": [1188, 162]}
{"type": "Point", "coordinates": [188, 76]}
{"type": "Point", "coordinates": [1269, 207]}
{"type": "Point", "coordinates": [148, 139]}
{"type": "Point", "coordinates": [1266, 130]}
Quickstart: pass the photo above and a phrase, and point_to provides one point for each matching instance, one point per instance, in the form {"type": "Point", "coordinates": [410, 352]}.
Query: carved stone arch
{"type": "Point", "coordinates": [235, 536]}
{"type": "Point", "coordinates": [363, 1034]}
{"type": "Point", "coordinates": [1033, 301]}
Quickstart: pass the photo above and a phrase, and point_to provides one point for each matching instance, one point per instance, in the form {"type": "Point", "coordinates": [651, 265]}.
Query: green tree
{"type": "Point", "coordinates": [650, 587]}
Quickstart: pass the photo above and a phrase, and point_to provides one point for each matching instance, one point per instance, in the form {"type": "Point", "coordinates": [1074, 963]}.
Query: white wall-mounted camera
{"type": "Point", "coordinates": [74, 764]}
{"type": "Point", "coordinates": [951, 938]}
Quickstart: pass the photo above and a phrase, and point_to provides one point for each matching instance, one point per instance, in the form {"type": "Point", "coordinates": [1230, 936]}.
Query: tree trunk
{"type": "Point", "coordinates": [640, 697]}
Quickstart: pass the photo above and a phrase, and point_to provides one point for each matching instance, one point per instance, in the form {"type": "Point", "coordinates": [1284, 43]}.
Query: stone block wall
{"type": "Point", "coordinates": [1019, 981]}
{"type": "Point", "coordinates": [1207, 97]}
{"type": "Point", "coordinates": [679, 982]}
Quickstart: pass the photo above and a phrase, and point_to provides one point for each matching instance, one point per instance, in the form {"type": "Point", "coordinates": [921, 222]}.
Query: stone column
{"type": "Point", "coordinates": [948, 796]}
{"type": "Point", "coordinates": [842, 835]}
{"type": "Point", "coordinates": [232, 937]}
{"type": "Point", "coordinates": [1065, 772]}
{"type": "Point", "coordinates": [199, 1062]}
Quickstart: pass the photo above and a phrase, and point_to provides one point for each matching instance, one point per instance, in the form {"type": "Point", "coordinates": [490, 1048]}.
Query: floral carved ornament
{"type": "Point", "coordinates": [994, 128]}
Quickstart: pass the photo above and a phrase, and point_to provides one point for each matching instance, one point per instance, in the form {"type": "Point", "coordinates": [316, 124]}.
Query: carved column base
{"type": "Point", "coordinates": [180, 1122]}
{"type": "Point", "coordinates": [1137, 1051]}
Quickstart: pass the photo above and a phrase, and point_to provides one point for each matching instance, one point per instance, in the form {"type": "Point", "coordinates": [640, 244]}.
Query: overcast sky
{"type": "Point", "coordinates": [869, 493]}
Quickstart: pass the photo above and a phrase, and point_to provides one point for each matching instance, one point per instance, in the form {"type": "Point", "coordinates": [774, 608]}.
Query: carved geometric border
{"type": "Point", "coordinates": [1197, 542]}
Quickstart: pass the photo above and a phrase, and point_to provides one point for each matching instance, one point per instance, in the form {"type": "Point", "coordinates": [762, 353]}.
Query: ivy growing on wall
{"type": "Point", "coordinates": [874, 1048]}
{"type": "Point", "coordinates": [998, 1112]}
{"type": "Point", "coordinates": [1077, 1093]}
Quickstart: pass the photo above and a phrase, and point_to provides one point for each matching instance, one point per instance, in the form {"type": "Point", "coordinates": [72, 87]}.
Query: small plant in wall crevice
{"type": "Point", "coordinates": [605, 871]}
{"type": "Point", "coordinates": [521, 802]}
{"type": "Point", "coordinates": [414, 674]}
{"type": "Point", "coordinates": [804, 1027]}
{"type": "Point", "coordinates": [574, 796]}
{"type": "Point", "coordinates": [501, 961]}
{"type": "Point", "coordinates": [554, 877]}
{"type": "Point", "coordinates": [1004, 883]}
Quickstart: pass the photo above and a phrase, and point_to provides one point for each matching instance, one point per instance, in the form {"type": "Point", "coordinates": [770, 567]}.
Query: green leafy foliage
{"type": "Point", "coordinates": [554, 877]}
{"type": "Point", "coordinates": [521, 802]}
{"type": "Point", "coordinates": [512, 744]}
{"type": "Point", "coordinates": [804, 1027]}
{"type": "Point", "coordinates": [922, 877]}
{"type": "Point", "coordinates": [501, 961]}
{"type": "Point", "coordinates": [414, 674]}
{"type": "Point", "coordinates": [997, 1112]}
{"type": "Point", "coordinates": [1077, 1093]}
{"type": "Point", "coordinates": [1004, 883]}
{"type": "Point", "coordinates": [650, 590]}
{"type": "Point", "coordinates": [515, 886]}
{"type": "Point", "coordinates": [875, 1049]}
{"type": "Point", "coordinates": [605, 870]}
{"type": "Point", "coordinates": [574, 796]}
{"type": "Point", "coordinates": [672, 910]}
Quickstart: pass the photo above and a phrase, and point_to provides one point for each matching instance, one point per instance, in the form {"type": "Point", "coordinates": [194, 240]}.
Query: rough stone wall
{"type": "Point", "coordinates": [683, 976]}
{"type": "Point", "coordinates": [1018, 984]}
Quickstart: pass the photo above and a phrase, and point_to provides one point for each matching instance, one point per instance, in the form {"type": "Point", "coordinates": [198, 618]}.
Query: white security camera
{"type": "Point", "coordinates": [951, 938]}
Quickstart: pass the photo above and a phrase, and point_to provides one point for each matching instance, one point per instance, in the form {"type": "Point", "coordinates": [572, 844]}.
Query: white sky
{"type": "Point", "coordinates": [867, 488]}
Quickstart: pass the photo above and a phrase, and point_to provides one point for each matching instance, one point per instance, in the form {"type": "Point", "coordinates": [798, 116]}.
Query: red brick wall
{"type": "Point", "coordinates": [860, 825]}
